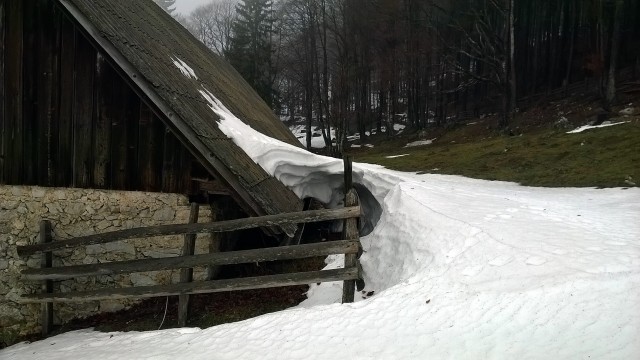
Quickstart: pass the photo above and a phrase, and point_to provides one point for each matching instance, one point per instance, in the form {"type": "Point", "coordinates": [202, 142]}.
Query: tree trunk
{"type": "Point", "coordinates": [572, 41]}
{"type": "Point", "coordinates": [512, 63]}
{"type": "Point", "coordinates": [613, 57]}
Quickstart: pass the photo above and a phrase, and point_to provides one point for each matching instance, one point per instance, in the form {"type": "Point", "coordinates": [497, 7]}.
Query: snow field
{"type": "Point", "coordinates": [459, 269]}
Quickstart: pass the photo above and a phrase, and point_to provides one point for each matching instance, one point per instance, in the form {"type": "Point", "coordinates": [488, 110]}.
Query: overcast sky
{"type": "Point", "coordinates": [186, 6]}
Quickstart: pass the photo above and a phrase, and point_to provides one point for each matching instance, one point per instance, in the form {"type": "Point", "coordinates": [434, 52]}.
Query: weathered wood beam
{"type": "Point", "coordinates": [212, 259]}
{"type": "Point", "coordinates": [350, 232]}
{"type": "Point", "coordinates": [178, 229]}
{"type": "Point", "coordinates": [212, 187]}
{"type": "Point", "coordinates": [13, 92]}
{"type": "Point", "coordinates": [47, 285]}
{"type": "Point", "coordinates": [205, 287]}
{"type": "Point", "coordinates": [186, 274]}
{"type": "Point", "coordinates": [3, 142]}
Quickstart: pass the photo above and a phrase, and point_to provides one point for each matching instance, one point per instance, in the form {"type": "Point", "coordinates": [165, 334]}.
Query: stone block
{"type": "Point", "coordinates": [142, 279]}
{"type": "Point", "coordinates": [103, 225]}
{"type": "Point", "coordinates": [9, 205]}
{"type": "Point", "coordinates": [111, 306]}
{"type": "Point", "coordinates": [164, 214]}
{"type": "Point", "coordinates": [38, 192]}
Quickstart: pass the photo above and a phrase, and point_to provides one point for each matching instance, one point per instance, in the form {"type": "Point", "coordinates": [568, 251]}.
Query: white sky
{"type": "Point", "coordinates": [186, 6]}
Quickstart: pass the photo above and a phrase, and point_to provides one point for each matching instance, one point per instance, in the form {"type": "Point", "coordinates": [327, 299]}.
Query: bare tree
{"type": "Point", "coordinates": [484, 51]}
{"type": "Point", "coordinates": [212, 24]}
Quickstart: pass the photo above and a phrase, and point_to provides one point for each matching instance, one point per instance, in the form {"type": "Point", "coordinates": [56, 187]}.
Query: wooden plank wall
{"type": "Point", "coordinates": [67, 116]}
{"type": "Point", "coordinates": [13, 128]}
{"type": "Point", "coordinates": [2, 81]}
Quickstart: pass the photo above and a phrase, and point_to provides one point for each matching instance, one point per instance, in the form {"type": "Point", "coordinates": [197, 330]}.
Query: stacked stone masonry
{"type": "Point", "coordinates": [78, 212]}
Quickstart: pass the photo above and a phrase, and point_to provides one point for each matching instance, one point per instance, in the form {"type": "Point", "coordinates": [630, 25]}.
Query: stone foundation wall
{"type": "Point", "coordinates": [78, 212]}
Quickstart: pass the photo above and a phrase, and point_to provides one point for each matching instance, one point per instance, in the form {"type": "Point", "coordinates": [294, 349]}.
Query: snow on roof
{"type": "Point", "coordinates": [185, 69]}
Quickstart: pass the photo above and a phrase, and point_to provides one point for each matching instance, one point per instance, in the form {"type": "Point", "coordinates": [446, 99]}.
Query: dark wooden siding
{"type": "Point", "coordinates": [2, 81]}
{"type": "Point", "coordinates": [68, 118]}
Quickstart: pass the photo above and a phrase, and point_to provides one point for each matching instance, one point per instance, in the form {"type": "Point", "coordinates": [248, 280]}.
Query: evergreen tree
{"type": "Point", "coordinates": [251, 46]}
{"type": "Point", "coordinates": [167, 5]}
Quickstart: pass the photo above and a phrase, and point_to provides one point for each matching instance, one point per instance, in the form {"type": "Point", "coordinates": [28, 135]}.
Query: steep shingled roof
{"type": "Point", "coordinates": [145, 44]}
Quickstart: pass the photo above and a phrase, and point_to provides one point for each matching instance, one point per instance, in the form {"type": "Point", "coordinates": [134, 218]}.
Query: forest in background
{"type": "Point", "coordinates": [355, 65]}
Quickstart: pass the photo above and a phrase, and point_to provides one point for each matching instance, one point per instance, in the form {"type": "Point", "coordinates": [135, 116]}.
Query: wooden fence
{"type": "Point", "coordinates": [350, 246]}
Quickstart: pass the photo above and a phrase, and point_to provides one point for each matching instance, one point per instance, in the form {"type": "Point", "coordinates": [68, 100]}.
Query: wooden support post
{"type": "Point", "coordinates": [47, 285]}
{"type": "Point", "coordinates": [348, 175]}
{"type": "Point", "coordinates": [350, 231]}
{"type": "Point", "coordinates": [186, 275]}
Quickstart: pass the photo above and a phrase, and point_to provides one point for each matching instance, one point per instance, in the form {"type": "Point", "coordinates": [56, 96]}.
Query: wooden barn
{"type": "Point", "coordinates": [107, 95]}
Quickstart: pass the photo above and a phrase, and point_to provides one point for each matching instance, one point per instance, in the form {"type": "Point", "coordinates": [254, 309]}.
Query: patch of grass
{"type": "Point", "coordinates": [604, 157]}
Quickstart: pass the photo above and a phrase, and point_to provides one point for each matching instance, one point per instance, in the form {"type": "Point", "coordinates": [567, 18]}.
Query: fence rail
{"type": "Point", "coordinates": [182, 262]}
{"type": "Point", "coordinates": [202, 287]}
{"type": "Point", "coordinates": [180, 229]}
{"type": "Point", "coordinates": [351, 274]}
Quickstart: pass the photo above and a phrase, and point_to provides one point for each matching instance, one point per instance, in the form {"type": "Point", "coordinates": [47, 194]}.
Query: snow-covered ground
{"type": "Point", "coordinates": [455, 268]}
{"type": "Point", "coordinates": [317, 141]}
{"type": "Point", "coordinates": [420, 143]}
{"type": "Point", "coordinates": [589, 127]}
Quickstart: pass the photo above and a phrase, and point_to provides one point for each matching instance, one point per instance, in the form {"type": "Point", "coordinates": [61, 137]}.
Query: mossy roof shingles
{"type": "Point", "coordinates": [151, 41]}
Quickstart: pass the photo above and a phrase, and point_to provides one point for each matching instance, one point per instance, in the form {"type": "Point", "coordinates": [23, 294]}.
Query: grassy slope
{"type": "Point", "coordinates": [603, 157]}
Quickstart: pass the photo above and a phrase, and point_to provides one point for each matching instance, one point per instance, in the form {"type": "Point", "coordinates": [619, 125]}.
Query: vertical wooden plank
{"type": "Point", "coordinates": [47, 99]}
{"type": "Point", "coordinates": [159, 130]}
{"type": "Point", "coordinates": [171, 158]}
{"type": "Point", "coordinates": [186, 275]}
{"type": "Point", "coordinates": [104, 117]}
{"type": "Point", "coordinates": [132, 120]}
{"type": "Point", "coordinates": [144, 145]}
{"type": "Point", "coordinates": [350, 230]}
{"type": "Point", "coordinates": [2, 97]}
{"type": "Point", "coordinates": [30, 95]}
{"type": "Point", "coordinates": [13, 93]}
{"type": "Point", "coordinates": [119, 141]}
{"type": "Point", "coordinates": [150, 155]}
{"type": "Point", "coordinates": [124, 140]}
{"type": "Point", "coordinates": [222, 208]}
{"type": "Point", "coordinates": [47, 285]}
{"type": "Point", "coordinates": [185, 183]}
{"type": "Point", "coordinates": [348, 174]}
{"type": "Point", "coordinates": [83, 104]}
{"type": "Point", "coordinates": [54, 120]}
{"type": "Point", "coordinates": [64, 173]}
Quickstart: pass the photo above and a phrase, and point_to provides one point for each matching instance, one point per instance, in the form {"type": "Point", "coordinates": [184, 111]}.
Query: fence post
{"type": "Point", "coordinates": [349, 231]}
{"type": "Point", "coordinates": [186, 275]}
{"type": "Point", "coordinates": [47, 285]}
